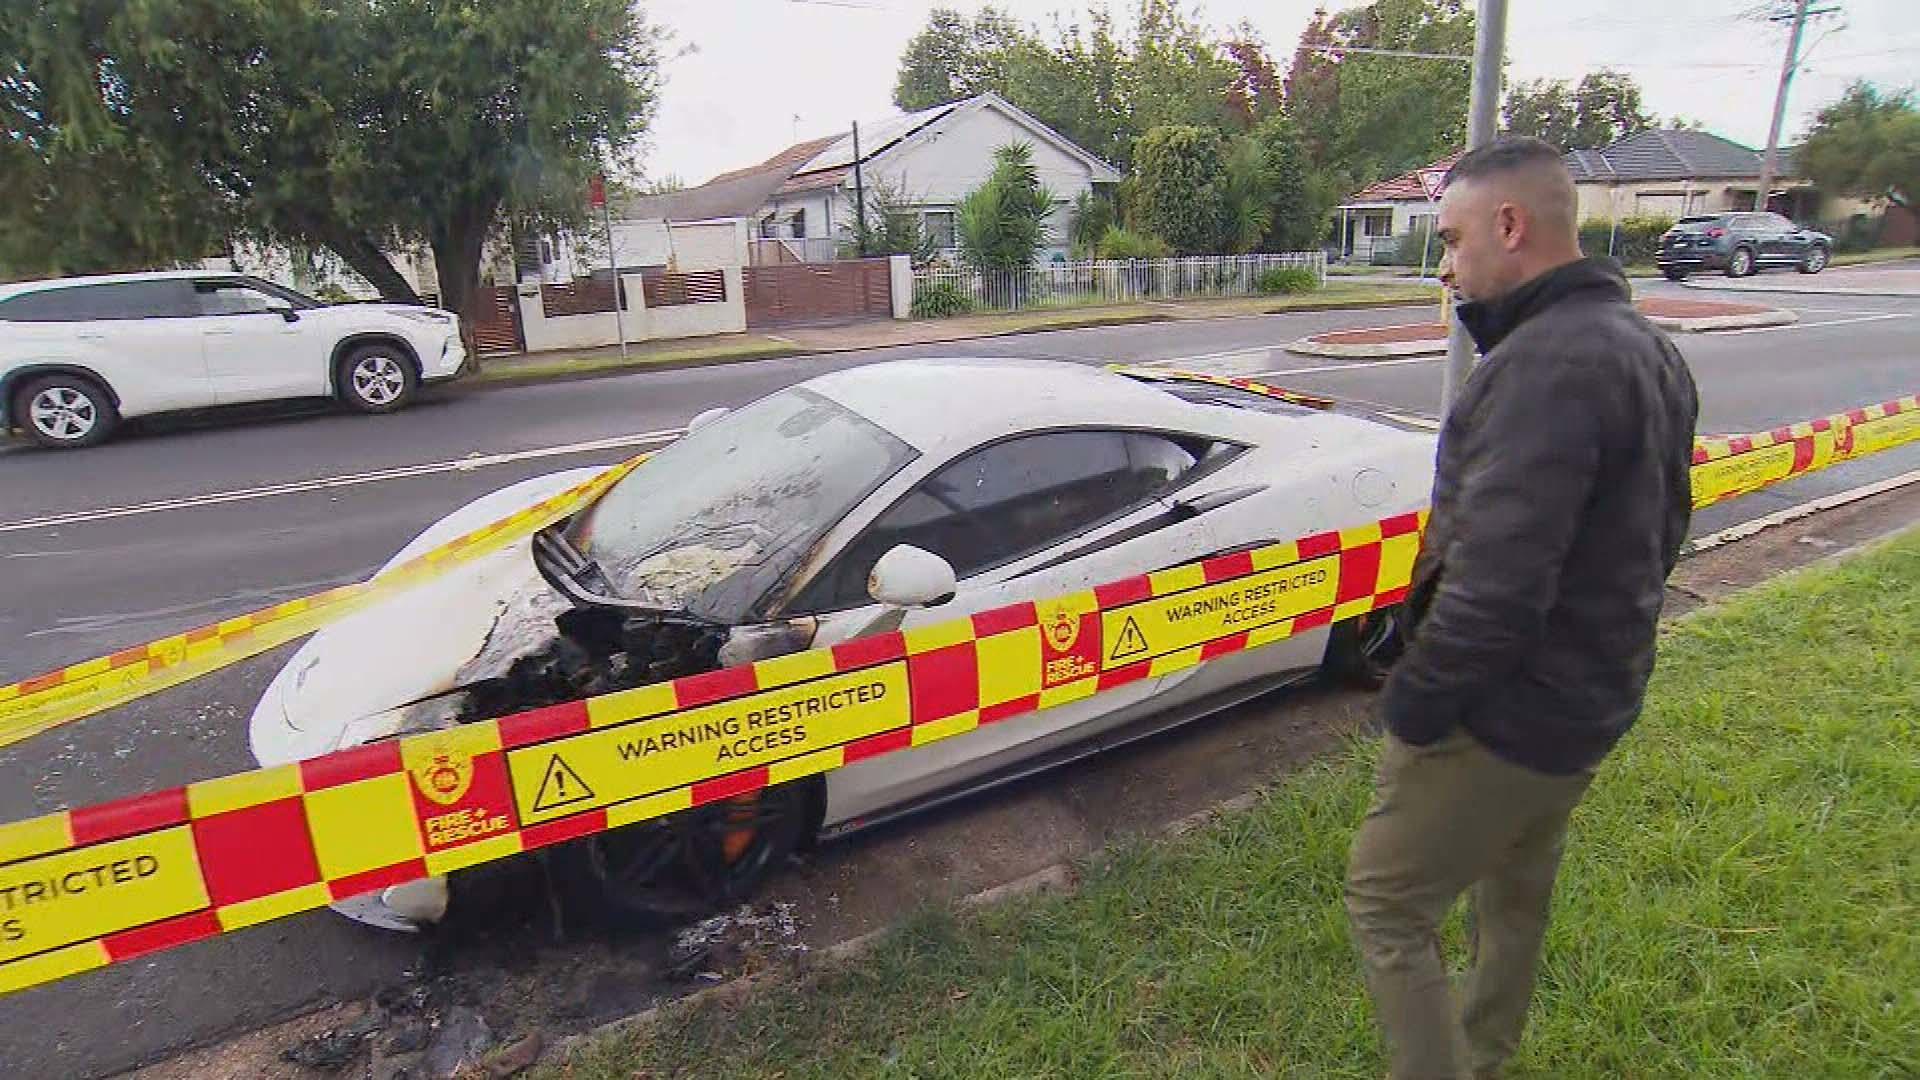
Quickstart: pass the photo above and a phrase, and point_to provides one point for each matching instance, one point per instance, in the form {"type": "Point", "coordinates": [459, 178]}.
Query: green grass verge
{"type": "Point", "coordinates": [561, 367]}
{"type": "Point", "coordinates": [1739, 900]}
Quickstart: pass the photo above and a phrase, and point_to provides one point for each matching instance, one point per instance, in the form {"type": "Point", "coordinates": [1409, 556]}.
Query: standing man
{"type": "Point", "coordinates": [1559, 505]}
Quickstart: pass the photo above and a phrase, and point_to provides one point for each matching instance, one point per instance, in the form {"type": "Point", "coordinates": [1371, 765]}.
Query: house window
{"type": "Point", "coordinates": [939, 227]}
{"type": "Point", "coordinates": [799, 224]}
{"type": "Point", "coordinates": [1377, 225]}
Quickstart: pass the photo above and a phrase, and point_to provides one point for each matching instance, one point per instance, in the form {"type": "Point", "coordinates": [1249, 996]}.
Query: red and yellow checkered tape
{"type": "Point", "coordinates": [84, 888]}
{"type": "Point", "coordinates": [1727, 466]}
{"type": "Point", "coordinates": [46, 701]}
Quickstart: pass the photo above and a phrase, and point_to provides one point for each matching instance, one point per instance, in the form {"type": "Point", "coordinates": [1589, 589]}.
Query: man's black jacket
{"type": "Point", "coordinates": [1559, 506]}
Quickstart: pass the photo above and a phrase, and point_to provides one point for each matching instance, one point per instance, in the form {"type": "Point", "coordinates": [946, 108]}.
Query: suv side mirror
{"type": "Point", "coordinates": [704, 419]}
{"type": "Point", "coordinates": [284, 310]}
{"type": "Point", "coordinates": [910, 577]}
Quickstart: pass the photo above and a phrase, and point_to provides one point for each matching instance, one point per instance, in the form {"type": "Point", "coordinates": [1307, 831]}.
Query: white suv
{"type": "Point", "coordinates": [79, 354]}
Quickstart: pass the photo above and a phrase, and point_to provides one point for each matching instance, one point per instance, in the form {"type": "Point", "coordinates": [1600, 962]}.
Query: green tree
{"type": "Point", "coordinates": [1002, 224]}
{"type": "Point", "coordinates": [955, 58]}
{"type": "Point", "coordinates": [891, 226]}
{"type": "Point", "coordinates": [1296, 218]}
{"type": "Point", "coordinates": [1542, 108]}
{"type": "Point", "coordinates": [1093, 216]}
{"type": "Point", "coordinates": [1362, 117]}
{"type": "Point", "coordinates": [1181, 174]}
{"type": "Point", "coordinates": [360, 126]}
{"type": "Point", "coordinates": [1866, 144]}
{"type": "Point", "coordinates": [1246, 198]}
{"type": "Point", "coordinates": [1607, 104]}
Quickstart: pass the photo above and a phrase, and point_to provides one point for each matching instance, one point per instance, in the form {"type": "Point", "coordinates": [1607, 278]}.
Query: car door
{"type": "Point", "coordinates": [1793, 241]}
{"type": "Point", "coordinates": [254, 352]}
{"type": "Point", "coordinates": [137, 335]}
{"type": "Point", "coordinates": [1772, 243]}
{"type": "Point", "coordinates": [1031, 517]}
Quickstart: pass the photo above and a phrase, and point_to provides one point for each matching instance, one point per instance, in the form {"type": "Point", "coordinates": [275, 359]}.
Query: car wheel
{"type": "Point", "coordinates": [1674, 275]}
{"type": "Point", "coordinates": [691, 863]}
{"type": "Point", "coordinates": [377, 379]}
{"type": "Point", "coordinates": [1362, 650]}
{"type": "Point", "coordinates": [64, 411]}
{"type": "Point", "coordinates": [1740, 263]}
{"type": "Point", "coordinates": [1815, 261]}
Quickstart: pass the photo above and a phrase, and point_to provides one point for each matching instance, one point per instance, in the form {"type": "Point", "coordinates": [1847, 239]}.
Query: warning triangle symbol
{"type": "Point", "coordinates": [1132, 642]}
{"type": "Point", "coordinates": [560, 787]}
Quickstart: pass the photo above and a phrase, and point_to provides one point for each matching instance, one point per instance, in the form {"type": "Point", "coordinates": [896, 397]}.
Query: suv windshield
{"type": "Point", "coordinates": [713, 524]}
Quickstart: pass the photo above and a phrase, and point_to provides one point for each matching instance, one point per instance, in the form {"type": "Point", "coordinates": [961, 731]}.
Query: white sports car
{"type": "Point", "coordinates": [872, 499]}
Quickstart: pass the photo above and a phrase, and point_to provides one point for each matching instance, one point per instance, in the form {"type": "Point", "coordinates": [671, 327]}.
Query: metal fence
{"type": "Point", "coordinates": [1112, 282]}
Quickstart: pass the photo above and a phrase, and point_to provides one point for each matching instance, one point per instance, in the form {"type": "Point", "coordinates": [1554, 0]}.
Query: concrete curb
{"type": "Point", "coordinates": [1306, 346]}
{"type": "Point", "coordinates": [1701, 323]}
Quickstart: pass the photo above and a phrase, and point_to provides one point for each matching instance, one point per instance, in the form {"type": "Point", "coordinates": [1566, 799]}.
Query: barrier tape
{"type": "Point", "coordinates": [85, 888]}
{"type": "Point", "coordinates": [1728, 466]}
{"type": "Point", "coordinates": [1725, 466]}
{"type": "Point", "coordinates": [46, 701]}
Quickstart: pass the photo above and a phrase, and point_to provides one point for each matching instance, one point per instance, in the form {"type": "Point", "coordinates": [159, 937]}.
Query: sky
{"type": "Point", "coordinates": [746, 78]}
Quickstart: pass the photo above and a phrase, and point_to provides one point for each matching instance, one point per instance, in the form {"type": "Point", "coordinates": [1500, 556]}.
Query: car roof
{"type": "Point", "coordinates": [15, 288]}
{"type": "Point", "coordinates": [934, 403]}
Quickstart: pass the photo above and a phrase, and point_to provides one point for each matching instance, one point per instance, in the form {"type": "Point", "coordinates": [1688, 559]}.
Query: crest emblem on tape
{"type": "Point", "coordinates": [443, 774]}
{"type": "Point", "coordinates": [1062, 628]}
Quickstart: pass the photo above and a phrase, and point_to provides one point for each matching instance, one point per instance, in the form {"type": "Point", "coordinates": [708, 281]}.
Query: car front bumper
{"type": "Point", "coordinates": [453, 361]}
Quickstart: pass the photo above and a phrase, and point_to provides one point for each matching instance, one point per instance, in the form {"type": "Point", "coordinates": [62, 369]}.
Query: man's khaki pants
{"type": "Point", "coordinates": [1446, 818]}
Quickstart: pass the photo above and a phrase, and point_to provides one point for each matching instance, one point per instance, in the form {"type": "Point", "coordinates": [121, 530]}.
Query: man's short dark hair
{"type": "Point", "coordinates": [1528, 170]}
{"type": "Point", "coordinates": [1504, 156]}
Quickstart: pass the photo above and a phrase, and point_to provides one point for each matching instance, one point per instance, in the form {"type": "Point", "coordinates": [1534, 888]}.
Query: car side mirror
{"type": "Point", "coordinates": [704, 419]}
{"type": "Point", "coordinates": [285, 311]}
{"type": "Point", "coordinates": [910, 577]}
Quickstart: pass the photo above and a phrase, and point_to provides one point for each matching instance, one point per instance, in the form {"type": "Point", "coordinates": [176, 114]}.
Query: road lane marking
{"type": "Point", "coordinates": [326, 483]}
{"type": "Point", "coordinates": [1813, 325]}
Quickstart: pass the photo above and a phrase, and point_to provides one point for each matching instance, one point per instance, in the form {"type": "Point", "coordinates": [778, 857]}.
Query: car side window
{"type": "Point", "coordinates": [1010, 499]}
{"type": "Point", "coordinates": [230, 298]}
{"type": "Point", "coordinates": [112, 301]}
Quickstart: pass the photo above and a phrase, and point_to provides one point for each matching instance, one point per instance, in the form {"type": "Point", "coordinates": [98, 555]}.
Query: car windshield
{"type": "Point", "coordinates": [1699, 220]}
{"type": "Point", "coordinates": [716, 522]}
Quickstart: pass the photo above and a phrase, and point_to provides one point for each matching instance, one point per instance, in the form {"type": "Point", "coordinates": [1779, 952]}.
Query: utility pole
{"type": "Point", "coordinates": [1483, 123]}
{"type": "Point", "coordinates": [1787, 66]}
{"type": "Point", "coordinates": [859, 196]}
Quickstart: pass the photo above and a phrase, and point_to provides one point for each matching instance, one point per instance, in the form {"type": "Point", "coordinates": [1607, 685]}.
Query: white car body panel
{"type": "Point", "coordinates": [161, 364]}
{"type": "Point", "coordinates": [1319, 471]}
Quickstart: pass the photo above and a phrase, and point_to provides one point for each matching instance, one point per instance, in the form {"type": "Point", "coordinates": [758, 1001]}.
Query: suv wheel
{"type": "Point", "coordinates": [1815, 261]}
{"type": "Point", "coordinates": [1740, 263]}
{"type": "Point", "coordinates": [64, 411]}
{"type": "Point", "coordinates": [376, 379]}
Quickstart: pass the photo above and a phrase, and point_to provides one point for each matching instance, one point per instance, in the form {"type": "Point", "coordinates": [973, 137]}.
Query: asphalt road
{"type": "Point", "coordinates": [183, 523]}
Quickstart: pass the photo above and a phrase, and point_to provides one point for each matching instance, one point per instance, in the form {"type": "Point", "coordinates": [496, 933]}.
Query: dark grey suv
{"type": "Point", "coordinates": [1740, 244]}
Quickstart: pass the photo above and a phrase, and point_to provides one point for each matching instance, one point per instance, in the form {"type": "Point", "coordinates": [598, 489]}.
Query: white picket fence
{"type": "Point", "coordinates": [1114, 281]}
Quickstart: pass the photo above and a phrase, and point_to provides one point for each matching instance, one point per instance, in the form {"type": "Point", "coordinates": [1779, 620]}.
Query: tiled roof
{"type": "Point", "coordinates": [1670, 155]}
{"type": "Point", "coordinates": [1406, 185]}
{"type": "Point", "coordinates": [791, 158]}
{"type": "Point", "coordinates": [1648, 155]}
{"type": "Point", "coordinates": [731, 194]}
